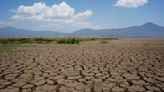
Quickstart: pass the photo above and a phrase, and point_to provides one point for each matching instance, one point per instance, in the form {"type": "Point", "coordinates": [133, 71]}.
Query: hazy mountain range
{"type": "Point", "coordinates": [147, 30]}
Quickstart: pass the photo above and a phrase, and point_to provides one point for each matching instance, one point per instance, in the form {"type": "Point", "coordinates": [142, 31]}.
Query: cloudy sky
{"type": "Point", "coordinates": [71, 15]}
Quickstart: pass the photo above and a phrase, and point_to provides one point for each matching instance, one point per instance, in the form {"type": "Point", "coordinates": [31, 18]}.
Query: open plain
{"type": "Point", "coordinates": [117, 66]}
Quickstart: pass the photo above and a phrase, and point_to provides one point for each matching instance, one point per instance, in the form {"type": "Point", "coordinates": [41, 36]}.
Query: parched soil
{"type": "Point", "coordinates": [117, 66]}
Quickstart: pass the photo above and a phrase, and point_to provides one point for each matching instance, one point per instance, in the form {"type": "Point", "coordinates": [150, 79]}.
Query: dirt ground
{"type": "Point", "coordinates": [117, 66]}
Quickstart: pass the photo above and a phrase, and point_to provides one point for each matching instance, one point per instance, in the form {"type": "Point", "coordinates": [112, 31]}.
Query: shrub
{"type": "Point", "coordinates": [49, 40]}
{"type": "Point", "coordinates": [68, 41]}
{"type": "Point", "coordinates": [103, 41]}
{"type": "Point", "coordinates": [24, 40]}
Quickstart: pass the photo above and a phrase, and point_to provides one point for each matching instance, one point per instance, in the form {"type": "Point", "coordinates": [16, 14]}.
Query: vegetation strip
{"type": "Point", "coordinates": [51, 40]}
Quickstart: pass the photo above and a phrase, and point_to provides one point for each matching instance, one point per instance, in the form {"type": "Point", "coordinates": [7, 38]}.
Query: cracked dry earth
{"type": "Point", "coordinates": [118, 66]}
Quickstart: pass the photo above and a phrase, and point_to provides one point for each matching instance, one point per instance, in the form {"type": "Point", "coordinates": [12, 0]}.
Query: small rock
{"type": "Point", "coordinates": [27, 86]}
{"type": "Point", "coordinates": [41, 82]}
{"type": "Point", "coordinates": [117, 89]}
{"type": "Point", "coordinates": [131, 76]}
{"type": "Point", "coordinates": [135, 88]}
{"type": "Point", "coordinates": [138, 82]}
{"type": "Point", "coordinates": [19, 84]}
{"type": "Point", "coordinates": [51, 82]}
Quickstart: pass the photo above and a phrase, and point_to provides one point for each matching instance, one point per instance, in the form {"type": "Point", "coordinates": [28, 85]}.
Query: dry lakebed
{"type": "Point", "coordinates": [117, 66]}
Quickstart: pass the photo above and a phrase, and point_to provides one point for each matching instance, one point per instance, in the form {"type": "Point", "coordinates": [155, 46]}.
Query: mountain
{"type": "Point", "coordinates": [147, 30]}
{"type": "Point", "coordinates": [84, 33]}
{"type": "Point", "coordinates": [14, 32]}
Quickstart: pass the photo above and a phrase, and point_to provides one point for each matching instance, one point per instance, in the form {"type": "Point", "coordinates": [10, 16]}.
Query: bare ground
{"type": "Point", "coordinates": [123, 65]}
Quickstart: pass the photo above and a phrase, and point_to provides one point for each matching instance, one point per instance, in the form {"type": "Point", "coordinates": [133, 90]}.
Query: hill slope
{"type": "Point", "coordinates": [148, 30]}
{"type": "Point", "coordinates": [14, 32]}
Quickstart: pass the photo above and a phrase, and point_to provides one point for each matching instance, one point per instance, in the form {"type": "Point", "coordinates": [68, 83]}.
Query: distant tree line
{"type": "Point", "coordinates": [49, 40]}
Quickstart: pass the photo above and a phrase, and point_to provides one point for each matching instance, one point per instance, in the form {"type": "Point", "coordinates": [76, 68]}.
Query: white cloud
{"type": "Point", "coordinates": [37, 8]}
{"type": "Point", "coordinates": [40, 11]}
{"type": "Point", "coordinates": [61, 14]}
{"type": "Point", "coordinates": [130, 3]}
{"type": "Point", "coordinates": [3, 24]}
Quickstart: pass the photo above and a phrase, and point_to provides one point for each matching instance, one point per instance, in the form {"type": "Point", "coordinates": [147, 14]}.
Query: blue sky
{"type": "Point", "coordinates": [71, 15]}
